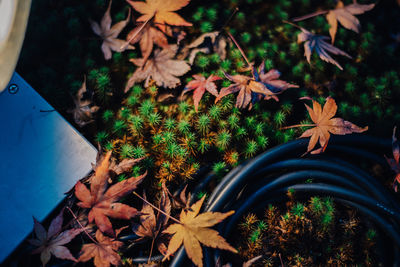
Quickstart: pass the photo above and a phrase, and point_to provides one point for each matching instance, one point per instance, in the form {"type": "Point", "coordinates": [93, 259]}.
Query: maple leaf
{"type": "Point", "coordinates": [325, 124]}
{"type": "Point", "coordinates": [147, 37]}
{"type": "Point", "coordinates": [317, 42]}
{"type": "Point", "coordinates": [200, 84]}
{"type": "Point", "coordinates": [162, 11]}
{"type": "Point", "coordinates": [193, 229]}
{"type": "Point", "coordinates": [104, 252]}
{"type": "Point", "coordinates": [102, 201]}
{"type": "Point", "coordinates": [247, 88]}
{"type": "Point", "coordinates": [345, 15]}
{"type": "Point", "coordinates": [83, 110]}
{"type": "Point", "coordinates": [394, 162]}
{"type": "Point", "coordinates": [151, 225]}
{"type": "Point", "coordinates": [53, 241]}
{"type": "Point", "coordinates": [162, 69]}
{"type": "Point", "coordinates": [109, 34]}
{"type": "Point", "coordinates": [271, 80]}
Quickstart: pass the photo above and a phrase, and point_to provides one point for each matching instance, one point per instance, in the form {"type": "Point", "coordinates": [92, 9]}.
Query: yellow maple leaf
{"type": "Point", "coordinates": [193, 229]}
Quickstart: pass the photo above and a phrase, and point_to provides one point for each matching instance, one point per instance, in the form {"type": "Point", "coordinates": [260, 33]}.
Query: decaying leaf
{"type": "Point", "coordinates": [271, 80]}
{"type": "Point", "coordinates": [394, 162]}
{"type": "Point", "coordinates": [147, 37]}
{"type": "Point", "coordinates": [210, 42]}
{"type": "Point", "coordinates": [162, 69]}
{"type": "Point", "coordinates": [317, 42]}
{"type": "Point", "coordinates": [109, 34]}
{"type": "Point", "coordinates": [102, 201]}
{"type": "Point", "coordinates": [194, 229]}
{"type": "Point", "coordinates": [325, 124]}
{"type": "Point", "coordinates": [247, 88]}
{"type": "Point", "coordinates": [104, 252]}
{"type": "Point", "coordinates": [53, 241]}
{"type": "Point", "coordinates": [162, 11]}
{"type": "Point", "coordinates": [124, 166]}
{"type": "Point", "coordinates": [345, 15]}
{"type": "Point", "coordinates": [84, 110]}
{"type": "Point", "coordinates": [200, 84]}
{"type": "Point", "coordinates": [151, 225]}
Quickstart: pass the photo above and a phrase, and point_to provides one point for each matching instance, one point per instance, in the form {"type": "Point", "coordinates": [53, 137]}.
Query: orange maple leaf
{"type": "Point", "coordinates": [162, 11]}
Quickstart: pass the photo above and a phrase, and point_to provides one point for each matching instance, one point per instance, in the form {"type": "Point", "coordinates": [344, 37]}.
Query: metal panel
{"type": "Point", "coordinates": [41, 157]}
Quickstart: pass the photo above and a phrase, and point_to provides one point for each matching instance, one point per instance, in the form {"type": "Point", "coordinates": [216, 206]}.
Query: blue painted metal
{"type": "Point", "coordinates": [41, 157]}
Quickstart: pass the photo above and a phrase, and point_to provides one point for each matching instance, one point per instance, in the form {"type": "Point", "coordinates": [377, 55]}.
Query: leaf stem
{"type": "Point", "coordinates": [291, 23]}
{"type": "Point", "coordinates": [314, 14]}
{"type": "Point", "coordinates": [157, 209]}
{"type": "Point", "coordinates": [136, 33]}
{"type": "Point", "coordinates": [240, 49]}
{"type": "Point", "coordinates": [297, 125]}
{"type": "Point", "coordinates": [229, 19]}
{"type": "Point", "coordinates": [83, 228]}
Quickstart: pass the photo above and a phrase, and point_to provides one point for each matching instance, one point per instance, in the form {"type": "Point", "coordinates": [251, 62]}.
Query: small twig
{"type": "Point", "coordinates": [136, 33]}
{"type": "Point", "coordinates": [280, 257]}
{"type": "Point", "coordinates": [229, 19]}
{"type": "Point", "coordinates": [151, 251]}
{"type": "Point", "coordinates": [240, 49]}
{"type": "Point", "coordinates": [297, 125]}
{"type": "Point", "coordinates": [314, 14]}
{"type": "Point", "coordinates": [83, 228]}
{"type": "Point", "coordinates": [291, 23]}
{"type": "Point", "coordinates": [159, 210]}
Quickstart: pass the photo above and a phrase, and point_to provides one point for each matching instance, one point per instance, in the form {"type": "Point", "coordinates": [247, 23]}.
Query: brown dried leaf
{"type": "Point", "coordinates": [345, 15]}
{"type": "Point", "coordinates": [194, 229]}
{"type": "Point", "coordinates": [53, 241]}
{"type": "Point", "coordinates": [317, 42]}
{"type": "Point", "coordinates": [109, 34]}
{"type": "Point", "coordinates": [162, 69]}
{"type": "Point", "coordinates": [104, 252]}
{"type": "Point", "coordinates": [210, 42]}
{"type": "Point", "coordinates": [325, 125]}
{"type": "Point", "coordinates": [162, 11]}
{"type": "Point", "coordinates": [394, 162]}
{"type": "Point", "coordinates": [102, 201]}
{"type": "Point", "coordinates": [200, 84]}
{"type": "Point", "coordinates": [84, 110]}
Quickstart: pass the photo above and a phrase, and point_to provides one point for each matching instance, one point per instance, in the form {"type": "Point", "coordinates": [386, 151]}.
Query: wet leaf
{"type": "Point", "coordinates": [102, 200]}
{"type": "Point", "coordinates": [161, 68]}
{"type": "Point", "coordinates": [194, 230]}
{"type": "Point", "coordinates": [104, 252]}
{"type": "Point", "coordinates": [317, 43]}
{"type": "Point", "coordinates": [162, 11]}
{"type": "Point", "coordinates": [200, 85]}
{"type": "Point", "coordinates": [109, 34]}
{"type": "Point", "coordinates": [52, 242]}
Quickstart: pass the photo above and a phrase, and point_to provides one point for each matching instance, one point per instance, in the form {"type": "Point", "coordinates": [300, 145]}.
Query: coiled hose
{"type": "Point", "coordinates": [267, 178]}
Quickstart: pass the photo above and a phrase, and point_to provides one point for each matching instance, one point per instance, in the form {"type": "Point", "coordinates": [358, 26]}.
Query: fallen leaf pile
{"type": "Point", "coordinates": [102, 200]}
{"type": "Point", "coordinates": [325, 125]}
{"type": "Point", "coordinates": [317, 43]}
{"type": "Point", "coordinates": [394, 162]}
{"type": "Point", "coordinates": [109, 34]}
{"type": "Point", "coordinates": [193, 229]}
{"type": "Point", "coordinates": [200, 85]}
{"type": "Point", "coordinates": [52, 242]}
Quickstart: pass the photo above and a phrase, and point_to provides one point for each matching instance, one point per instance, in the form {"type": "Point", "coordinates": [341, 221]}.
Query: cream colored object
{"type": "Point", "coordinates": [13, 19]}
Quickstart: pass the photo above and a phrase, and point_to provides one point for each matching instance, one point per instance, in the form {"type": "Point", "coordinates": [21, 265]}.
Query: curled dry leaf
{"type": "Point", "coordinates": [53, 241]}
{"type": "Point", "coordinates": [345, 15]}
{"type": "Point", "coordinates": [109, 34]}
{"type": "Point", "coordinates": [394, 162]}
{"type": "Point", "coordinates": [325, 125]}
{"type": "Point", "coordinates": [317, 42]}
{"type": "Point", "coordinates": [147, 37]}
{"type": "Point", "coordinates": [151, 225]}
{"type": "Point", "coordinates": [194, 229]}
{"type": "Point", "coordinates": [271, 80]}
{"type": "Point", "coordinates": [102, 201]}
{"type": "Point", "coordinates": [104, 252]}
{"type": "Point", "coordinates": [247, 87]}
{"type": "Point", "coordinates": [162, 69]}
{"type": "Point", "coordinates": [162, 11]}
{"type": "Point", "coordinates": [83, 110]}
{"type": "Point", "coordinates": [200, 84]}
{"type": "Point", "coordinates": [210, 42]}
